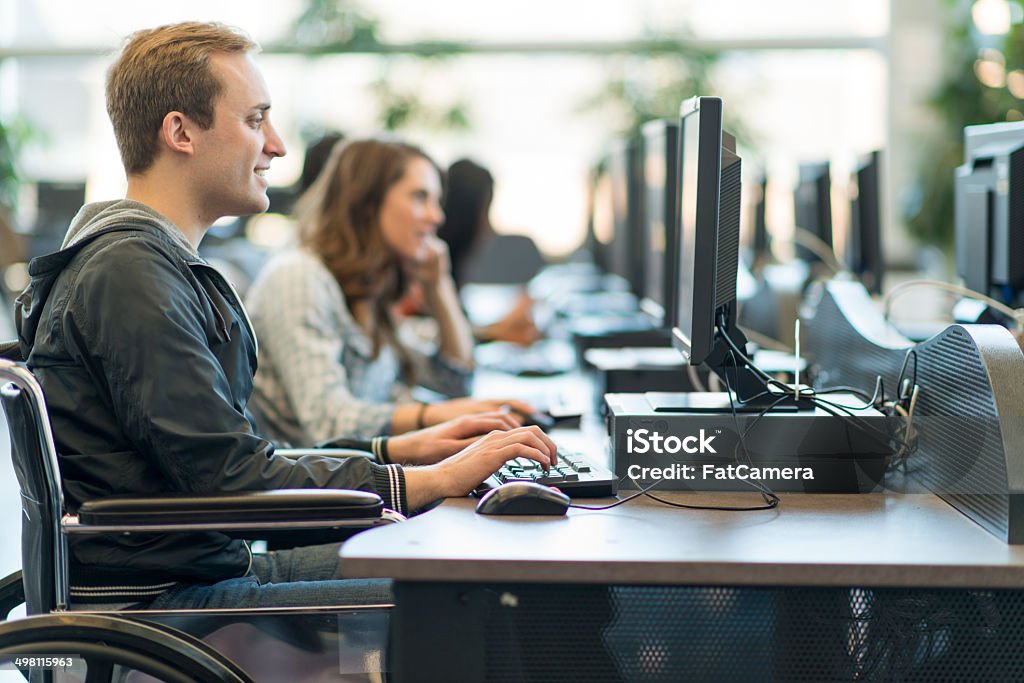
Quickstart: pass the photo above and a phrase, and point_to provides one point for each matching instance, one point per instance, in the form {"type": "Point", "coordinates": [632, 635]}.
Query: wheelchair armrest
{"type": "Point", "coordinates": [11, 350]}
{"type": "Point", "coordinates": [242, 511]}
{"type": "Point", "coordinates": [12, 594]}
{"type": "Point", "coordinates": [295, 453]}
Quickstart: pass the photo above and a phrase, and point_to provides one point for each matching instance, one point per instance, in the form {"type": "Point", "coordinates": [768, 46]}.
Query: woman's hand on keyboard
{"type": "Point", "coordinates": [433, 444]}
{"type": "Point", "coordinates": [436, 413]}
{"type": "Point", "coordinates": [458, 475]}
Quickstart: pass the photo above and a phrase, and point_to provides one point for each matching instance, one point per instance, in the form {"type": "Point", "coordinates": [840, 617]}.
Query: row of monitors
{"type": "Point", "coordinates": [988, 213]}
{"type": "Point", "coordinates": [989, 207]}
{"type": "Point", "coordinates": [675, 235]}
{"type": "Point", "coordinates": [812, 211]}
{"type": "Point", "coordinates": [634, 220]}
{"type": "Point", "coordinates": [684, 257]}
{"type": "Point", "coordinates": [634, 214]}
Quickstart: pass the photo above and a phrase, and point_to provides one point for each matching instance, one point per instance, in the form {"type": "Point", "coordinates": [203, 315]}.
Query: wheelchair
{"type": "Point", "coordinates": [330, 643]}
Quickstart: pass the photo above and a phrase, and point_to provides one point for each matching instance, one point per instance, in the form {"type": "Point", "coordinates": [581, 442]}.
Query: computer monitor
{"type": "Point", "coordinates": [660, 202]}
{"type": "Point", "coordinates": [709, 229]}
{"type": "Point", "coordinates": [625, 169]}
{"type": "Point", "coordinates": [990, 211]}
{"type": "Point", "coordinates": [705, 329]}
{"type": "Point", "coordinates": [864, 241]}
{"type": "Point", "coordinates": [602, 217]}
{"type": "Point", "coordinates": [590, 246]}
{"type": "Point", "coordinates": [812, 207]}
{"type": "Point", "coordinates": [760, 242]}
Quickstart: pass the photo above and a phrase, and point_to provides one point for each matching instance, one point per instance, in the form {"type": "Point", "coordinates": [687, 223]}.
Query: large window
{"type": "Point", "coordinates": [525, 107]}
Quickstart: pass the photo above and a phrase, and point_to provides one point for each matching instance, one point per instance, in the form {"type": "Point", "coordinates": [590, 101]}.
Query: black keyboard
{"type": "Point", "coordinates": [573, 473]}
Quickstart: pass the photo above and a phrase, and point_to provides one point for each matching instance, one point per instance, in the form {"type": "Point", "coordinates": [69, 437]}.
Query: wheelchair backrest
{"type": "Point", "coordinates": [43, 547]}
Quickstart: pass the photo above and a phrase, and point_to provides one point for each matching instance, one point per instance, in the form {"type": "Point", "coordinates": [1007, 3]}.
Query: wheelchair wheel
{"type": "Point", "coordinates": [105, 643]}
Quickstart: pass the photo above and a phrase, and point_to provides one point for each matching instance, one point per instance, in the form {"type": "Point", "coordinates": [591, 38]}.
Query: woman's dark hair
{"type": "Point", "coordinates": [317, 154]}
{"type": "Point", "coordinates": [466, 207]}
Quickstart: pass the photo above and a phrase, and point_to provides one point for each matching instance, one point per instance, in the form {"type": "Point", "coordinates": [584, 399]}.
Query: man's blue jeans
{"type": "Point", "coordinates": [298, 577]}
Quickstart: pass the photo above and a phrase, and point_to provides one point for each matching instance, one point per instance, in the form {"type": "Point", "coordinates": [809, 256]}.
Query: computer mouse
{"type": "Point", "coordinates": [523, 498]}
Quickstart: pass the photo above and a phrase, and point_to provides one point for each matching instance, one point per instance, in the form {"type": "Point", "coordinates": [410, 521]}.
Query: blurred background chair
{"type": "Point", "coordinates": [505, 260]}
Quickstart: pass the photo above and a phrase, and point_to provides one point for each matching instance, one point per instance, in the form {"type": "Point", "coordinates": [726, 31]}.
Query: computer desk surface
{"type": "Point", "coordinates": [891, 539]}
{"type": "Point", "coordinates": [882, 540]}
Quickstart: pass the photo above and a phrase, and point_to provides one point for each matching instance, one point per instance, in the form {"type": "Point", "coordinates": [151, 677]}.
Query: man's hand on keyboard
{"type": "Point", "coordinates": [461, 473]}
{"type": "Point", "coordinates": [433, 444]}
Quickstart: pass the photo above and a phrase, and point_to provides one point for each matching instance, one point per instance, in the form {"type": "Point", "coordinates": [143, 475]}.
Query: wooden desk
{"type": "Point", "coordinates": [896, 540]}
{"type": "Point", "coordinates": [805, 592]}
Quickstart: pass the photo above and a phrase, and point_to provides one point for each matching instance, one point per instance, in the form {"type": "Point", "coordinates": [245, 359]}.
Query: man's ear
{"type": "Point", "coordinates": [178, 133]}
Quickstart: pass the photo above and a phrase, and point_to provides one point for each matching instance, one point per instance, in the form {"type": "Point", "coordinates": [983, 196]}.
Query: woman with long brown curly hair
{"type": "Point", "coordinates": [331, 360]}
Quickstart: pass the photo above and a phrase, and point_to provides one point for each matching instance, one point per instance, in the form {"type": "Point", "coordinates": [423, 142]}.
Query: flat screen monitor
{"type": "Point", "coordinates": [760, 242]}
{"type": "Point", "coordinates": [602, 217]}
{"type": "Point", "coordinates": [864, 242]}
{"type": "Point", "coordinates": [708, 245]}
{"type": "Point", "coordinates": [660, 198]}
{"type": "Point", "coordinates": [618, 174]}
{"type": "Point", "coordinates": [625, 170]}
{"type": "Point", "coordinates": [990, 211]}
{"type": "Point", "coordinates": [812, 207]}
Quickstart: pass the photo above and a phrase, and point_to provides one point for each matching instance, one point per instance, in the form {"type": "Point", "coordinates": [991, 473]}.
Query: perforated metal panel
{"type": "Point", "coordinates": [969, 438]}
{"type": "Point", "coordinates": [961, 451]}
{"type": "Point", "coordinates": [847, 340]}
{"type": "Point", "coordinates": [672, 634]}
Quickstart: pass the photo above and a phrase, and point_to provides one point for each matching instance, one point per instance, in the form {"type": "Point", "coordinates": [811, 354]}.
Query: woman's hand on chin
{"type": "Point", "coordinates": [434, 266]}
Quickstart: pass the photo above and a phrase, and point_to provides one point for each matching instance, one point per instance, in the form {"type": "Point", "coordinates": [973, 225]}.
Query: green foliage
{"type": "Point", "coordinates": [653, 80]}
{"type": "Point", "coordinates": [960, 100]}
{"type": "Point", "coordinates": [340, 26]}
{"type": "Point", "coordinates": [649, 81]}
{"type": "Point", "coordinates": [13, 135]}
{"type": "Point", "coordinates": [401, 109]}
{"type": "Point", "coordinates": [336, 26]}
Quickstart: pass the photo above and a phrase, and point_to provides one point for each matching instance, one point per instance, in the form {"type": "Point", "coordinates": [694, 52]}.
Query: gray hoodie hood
{"type": "Point", "coordinates": [92, 218]}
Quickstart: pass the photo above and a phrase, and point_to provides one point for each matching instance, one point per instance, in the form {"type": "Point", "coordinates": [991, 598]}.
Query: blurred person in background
{"type": "Point", "coordinates": [331, 358]}
{"type": "Point", "coordinates": [467, 230]}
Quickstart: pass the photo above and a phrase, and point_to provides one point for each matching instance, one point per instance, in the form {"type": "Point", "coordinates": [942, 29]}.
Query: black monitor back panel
{"type": "Point", "coordinates": [812, 206]}
{"type": "Point", "coordinates": [969, 416]}
{"type": "Point", "coordinates": [760, 242]}
{"type": "Point", "coordinates": [989, 211]}
{"type": "Point", "coordinates": [864, 239]}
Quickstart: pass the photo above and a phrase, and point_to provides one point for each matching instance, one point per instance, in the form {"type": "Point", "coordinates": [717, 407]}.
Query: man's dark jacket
{"type": "Point", "coordinates": [146, 359]}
